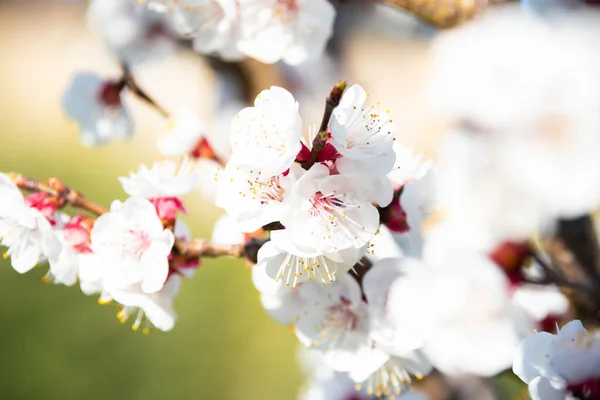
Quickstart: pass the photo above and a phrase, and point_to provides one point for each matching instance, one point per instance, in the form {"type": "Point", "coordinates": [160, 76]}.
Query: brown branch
{"type": "Point", "coordinates": [442, 14]}
{"type": "Point", "coordinates": [554, 276]}
{"type": "Point", "coordinates": [131, 84]}
{"type": "Point", "coordinates": [204, 248]}
{"type": "Point", "coordinates": [61, 194]}
{"type": "Point", "coordinates": [321, 139]}
{"type": "Point", "coordinates": [198, 248]}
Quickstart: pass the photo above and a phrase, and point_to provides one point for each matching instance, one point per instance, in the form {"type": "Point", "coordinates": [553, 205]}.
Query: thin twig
{"type": "Point", "coordinates": [553, 276]}
{"type": "Point", "coordinates": [321, 139]}
{"type": "Point", "coordinates": [132, 85]}
{"type": "Point", "coordinates": [204, 248]}
{"type": "Point", "coordinates": [62, 194]}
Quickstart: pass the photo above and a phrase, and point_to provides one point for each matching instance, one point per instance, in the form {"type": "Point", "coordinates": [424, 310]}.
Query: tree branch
{"type": "Point", "coordinates": [61, 194]}
{"type": "Point", "coordinates": [321, 139]}
{"type": "Point", "coordinates": [442, 14]}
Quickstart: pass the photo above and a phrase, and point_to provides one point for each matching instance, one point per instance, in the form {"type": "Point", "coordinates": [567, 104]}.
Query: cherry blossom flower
{"type": "Point", "coordinates": [96, 105]}
{"type": "Point", "coordinates": [557, 366]}
{"type": "Point", "coordinates": [362, 135]}
{"type": "Point", "coordinates": [74, 235]}
{"type": "Point", "coordinates": [186, 131]}
{"type": "Point", "coordinates": [293, 265]}
{"type": "Point", "coordinates": [135, 247]}
{"type": "Point", "coordinates": [213, 24]}
{"type": "Point", "coordinates": [330, 213]}
{"type": "Point", "coordinates": [24, 230]}
{"type": "Point", "coordinates": [132, 33]}
{"type": "Point", "coordinates": [162, 184]}
{"type": "Point", "coordinates": [148, 309]}
{"type": "Point", "coordinates": [266, 138]}
{"type": "Point", "coordinates": [254, 200]}
{"type": "Point", "coordinates": [292, 30]}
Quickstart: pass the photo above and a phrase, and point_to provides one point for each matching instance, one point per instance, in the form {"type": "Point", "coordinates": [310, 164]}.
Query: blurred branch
{"type": "Point", "coordinates": [131, 84]}
{"type": "Point", "coordinates": [442, 14]}
{"type": "Point", "coordinates": [553, 276]}
{"type": "Point", "coordinates": [60, 193]}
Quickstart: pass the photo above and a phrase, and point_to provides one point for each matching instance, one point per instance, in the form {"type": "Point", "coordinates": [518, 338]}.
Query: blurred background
{"type": "Point", "coordinates": [56, 343]}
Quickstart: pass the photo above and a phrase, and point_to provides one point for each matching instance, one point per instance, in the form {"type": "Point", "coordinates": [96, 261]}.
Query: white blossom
{"type": "Point", "coordinates": [329, 213]}
{"type": "Point", "coordinates": [254, 200]}
{"type": "Point", "coordinates": [132, 33]}
{"type": "Point", "coordinates": [96, 105]}
{"type": "Point", "coordinates": [266, 138]}
{"type": "Point", "coordinates": [292, 30]}
{"type": "Point", "coordinates": [524, 152]}
{"type": "Point", "coordinates": [555, 364]}
{"type": "Point", "coordinates": [363, 135]}
{"type": "Point", "coordinates": [24, 230]}
{"type": "Point", "coordinates": [164, 179]}
{"type": "Point", "coordinates": [132, 242]}
{"type": "Point", "coordinates": [291, 264]}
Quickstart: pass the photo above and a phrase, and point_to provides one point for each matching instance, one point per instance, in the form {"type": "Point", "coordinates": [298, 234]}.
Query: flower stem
{"type": "Point", "coordinates": [321, 139]}
{"type": "Point", "coordinates": [61, 193]}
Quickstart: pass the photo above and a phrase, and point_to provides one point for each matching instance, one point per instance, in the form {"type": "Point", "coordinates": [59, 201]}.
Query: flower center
{"type": "Point", "coordinates": [139, 242]}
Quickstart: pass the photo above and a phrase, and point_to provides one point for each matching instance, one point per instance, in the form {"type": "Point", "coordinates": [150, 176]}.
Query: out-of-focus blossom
{"type": "Point", "coordinates": [522, 92]}
{"type": "Point", "coordinates": [409, 166]}
{"type": "Point", "coordinates": [74, 235]}
{"type": "Point", "coordinates": [132, 33]}
{"type": "Point", "coordinates": [265, 138]}
{"type": "Point", "coordinates": [212, 24]}
{"type": "Point", "coordinates": [97, 106]}
{"type": "Point", "coordinates": [163, 184]}
{"type": "Point", "coordinates": [562, 365]}
{"type": "Point", "coordinates": [291, 30]}
{"type": "Point", "coordinates": [164, 179]}
{"type": "Point", "coordinates": [24, 230]}
{"type": "Point", "coordinates": [464, 315]}
{"type": "Point", "coordinates": [187, 130]}
{"type": "Point", "coordinates": [134, 246]}
{"type": "Point", "coordinates": [148, 309]}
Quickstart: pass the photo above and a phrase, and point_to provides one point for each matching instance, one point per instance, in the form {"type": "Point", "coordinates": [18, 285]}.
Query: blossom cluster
{"type": "Point", "coordinates": [126, 254]}
{"type": "Point", "coordinates": [267, 30]}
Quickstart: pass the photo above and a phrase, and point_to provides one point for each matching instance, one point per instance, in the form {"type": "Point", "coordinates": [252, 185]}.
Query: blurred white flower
{"type": "Point", "coordinates": [187, 130]}
{"type": "Point", "coordinates": [283, 304]}
{"type": "Point", "coordinates": [96, 105]}
{"type": "Point", "coordinates": [163, 184]}
{"type": "Point", "coordinates": [133, 244]}
{"type": "Point", "coordinates": [463, 315]}
{"type": "Point", "coordinates": [74, 235]}
{"type": "Point", "coordinates": [148, 309]}
{"type": "Point", "coordinates": [560, 365]}
{"type": "Point", "coordinates": [164, 179]}
{"type": "Point", "coordinates": [363, 135]}
{"type": "Point", "coordinates": [525, 94]}
{"type": "Point", "coordinates": [265, 138]}
{"type": "Point", "coordinates": [409, 166]}
{"type": "Point", "coordinates": [226, 231]}
{"type": "Point", "coordinates": [133, 33]}
{"type": "Point", "coordinates": [24, 230]}
{"type": "Point", "coordinates": [292, 30]}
